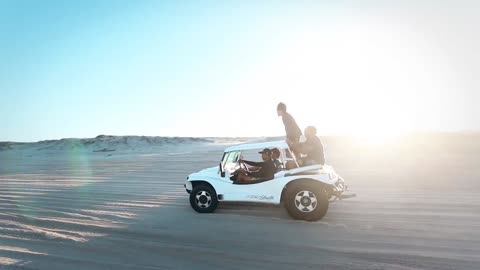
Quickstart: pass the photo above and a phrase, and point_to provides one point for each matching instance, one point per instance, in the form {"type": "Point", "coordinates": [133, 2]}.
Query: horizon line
{"type": "Point", "coordinates": [469, 132]}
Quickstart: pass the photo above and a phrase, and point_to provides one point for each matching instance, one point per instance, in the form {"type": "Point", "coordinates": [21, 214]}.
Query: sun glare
{"type": "Point", "coordinates": [378, 138]}
{"type": "Point", "coordinates": [337, 81]}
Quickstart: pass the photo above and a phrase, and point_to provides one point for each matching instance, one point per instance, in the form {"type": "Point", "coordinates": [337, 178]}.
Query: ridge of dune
{"type": "Point", "coordinates": [102, 143]}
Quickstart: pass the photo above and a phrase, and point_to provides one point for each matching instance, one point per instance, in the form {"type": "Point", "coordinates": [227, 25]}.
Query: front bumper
{"type": "Point", "coordinates": [186, 189]}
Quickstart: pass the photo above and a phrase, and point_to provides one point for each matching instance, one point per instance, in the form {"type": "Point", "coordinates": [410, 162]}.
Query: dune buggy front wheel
{"type": "Point", "coordinates": [203, 199]}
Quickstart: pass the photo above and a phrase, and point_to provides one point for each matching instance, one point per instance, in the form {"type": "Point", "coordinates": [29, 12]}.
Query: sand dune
{"type": "Point", "coordinates": [102, 143]}
{"type": "Point", "coordinates": [417, 208]}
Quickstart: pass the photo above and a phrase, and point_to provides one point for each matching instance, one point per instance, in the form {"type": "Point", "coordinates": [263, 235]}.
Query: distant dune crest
{"type": "Point", "coordinates": [103, 143]}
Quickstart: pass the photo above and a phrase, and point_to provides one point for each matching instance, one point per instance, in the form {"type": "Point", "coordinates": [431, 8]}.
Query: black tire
{"type": "Point", "coordinates": [306, 201]}
{"type": "Point", "coordinates": [203, 199]}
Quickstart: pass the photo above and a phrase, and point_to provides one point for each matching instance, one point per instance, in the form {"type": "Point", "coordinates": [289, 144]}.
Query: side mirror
{"type": "Point", "coordinates": [222, 172]}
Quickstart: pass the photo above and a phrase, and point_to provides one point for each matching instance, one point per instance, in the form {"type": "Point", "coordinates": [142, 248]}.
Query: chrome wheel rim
{"type": "Point", "coordinates": [306, 201]}
{"type": "Point", "coordinates": [203, 199]}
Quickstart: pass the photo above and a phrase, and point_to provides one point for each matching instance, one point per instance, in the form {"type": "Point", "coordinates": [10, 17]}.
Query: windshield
{"type": "Point", "coordinates": [229, 161]}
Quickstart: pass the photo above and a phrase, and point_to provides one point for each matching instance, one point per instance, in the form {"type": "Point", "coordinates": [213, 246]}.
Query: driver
{"type": "Point", "coordinates": [266, 168]}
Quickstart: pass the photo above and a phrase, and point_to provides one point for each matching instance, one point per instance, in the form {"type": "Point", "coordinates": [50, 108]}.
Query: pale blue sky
{"type": "Point", "coordinates": [218, 68]}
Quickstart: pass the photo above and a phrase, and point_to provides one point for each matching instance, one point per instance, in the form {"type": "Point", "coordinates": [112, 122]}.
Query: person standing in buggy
{"type": "Point", "coordinates": [293, 132]}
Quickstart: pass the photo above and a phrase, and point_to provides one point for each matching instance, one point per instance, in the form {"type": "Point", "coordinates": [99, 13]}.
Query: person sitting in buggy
{"type": "Point", "coordinates": [312, 149]}
{"type": "Point", "coordinates": [276, 159]}
{"type": "Point", "coordinates": [266, 168]}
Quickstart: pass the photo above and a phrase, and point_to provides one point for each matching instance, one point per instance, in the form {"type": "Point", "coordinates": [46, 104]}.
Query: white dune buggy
{"type": "Point", "coordinates": [304, 191]}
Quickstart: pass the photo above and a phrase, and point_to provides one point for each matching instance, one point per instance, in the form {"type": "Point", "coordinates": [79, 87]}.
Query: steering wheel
{"type": "Point", "coordinates": [243, 166]}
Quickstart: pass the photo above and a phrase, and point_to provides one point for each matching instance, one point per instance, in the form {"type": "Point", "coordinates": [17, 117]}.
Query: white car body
{"type": "Point", "coordinates": [269, 191]}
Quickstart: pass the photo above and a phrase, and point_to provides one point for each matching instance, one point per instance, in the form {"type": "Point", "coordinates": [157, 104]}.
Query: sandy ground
{"type": "Point", "coordinates": [417, 208]}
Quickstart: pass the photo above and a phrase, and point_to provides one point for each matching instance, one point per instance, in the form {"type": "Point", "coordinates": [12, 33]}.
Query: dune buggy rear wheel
{"type": "Point", "coordinates": [203, 199]}
{"type": "Point", "coordinates": [306, 201]}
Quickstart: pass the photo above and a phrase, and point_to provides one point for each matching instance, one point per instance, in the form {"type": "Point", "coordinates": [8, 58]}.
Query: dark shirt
{"type": "Point", "coordinates": [313, 149]}
{"type": "Point", "coordinates": [291, 127]}
{"type": "Point", "coordinates": [278, 164]}
{"type": "Point", "coordinates": [267, 169]}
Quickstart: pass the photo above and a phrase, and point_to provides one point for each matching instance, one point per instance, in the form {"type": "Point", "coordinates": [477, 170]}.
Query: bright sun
{"type": "Point", "coordinates": [361, 79]}
{"type": "Point", "coordinates": [362, 82]}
